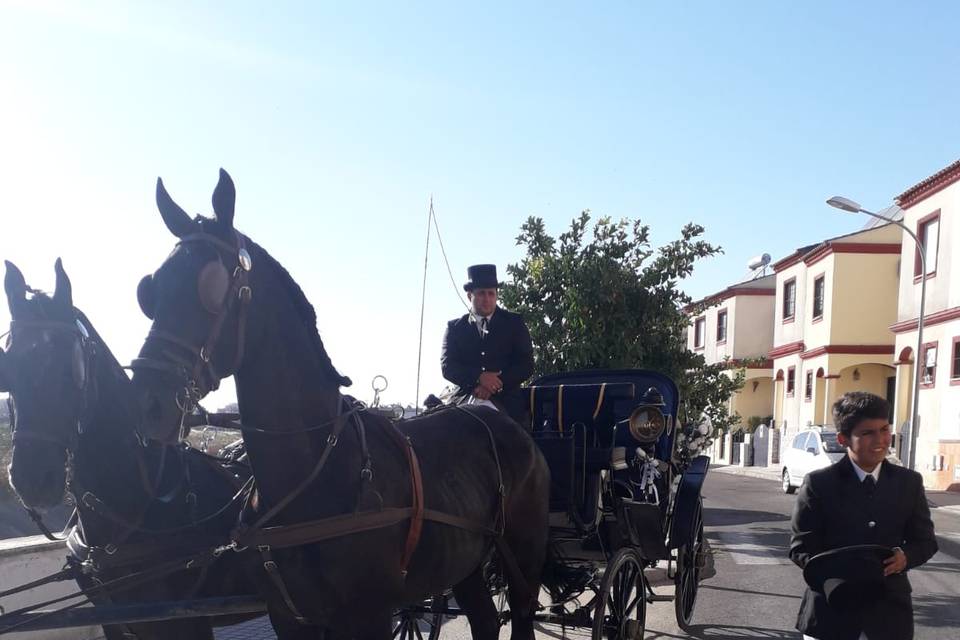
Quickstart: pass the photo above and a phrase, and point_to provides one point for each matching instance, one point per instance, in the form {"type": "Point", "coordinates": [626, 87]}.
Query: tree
{"type": "Point", "coordinates": [612, 301]}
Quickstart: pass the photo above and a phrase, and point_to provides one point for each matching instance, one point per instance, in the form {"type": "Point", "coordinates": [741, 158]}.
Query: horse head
{"type": "Point", "coordinates": [196, 300]}
{"type": "Point", "coordinates": [46, 371]}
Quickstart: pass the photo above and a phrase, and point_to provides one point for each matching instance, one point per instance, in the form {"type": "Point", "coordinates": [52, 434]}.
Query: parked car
{"type": "Point", "coordinates": [813, 448]}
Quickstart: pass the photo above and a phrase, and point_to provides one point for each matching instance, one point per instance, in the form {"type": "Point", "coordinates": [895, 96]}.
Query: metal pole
{"type": "Point", "coordinates": [915, 403]}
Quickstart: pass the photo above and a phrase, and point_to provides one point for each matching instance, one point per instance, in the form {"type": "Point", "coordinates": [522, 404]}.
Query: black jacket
{"type": "Point", "coordinates": [833, 510]}
{"type": "Point", "coordinates": [505, 348]}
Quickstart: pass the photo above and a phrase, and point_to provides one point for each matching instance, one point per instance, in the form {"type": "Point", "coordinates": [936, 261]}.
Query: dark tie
{"type": "Point", "coordinates": [869, 484]}
{"type": "Point", "coordinates": [483, 328]}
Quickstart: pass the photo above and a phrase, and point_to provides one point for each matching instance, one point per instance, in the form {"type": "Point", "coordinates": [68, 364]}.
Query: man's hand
{"type": "Point", "coordinates": [480, 392]}
{"type": "Point", "coordinates": [490, 380]}
{"type": "Point", "coordinates": [895, 563]}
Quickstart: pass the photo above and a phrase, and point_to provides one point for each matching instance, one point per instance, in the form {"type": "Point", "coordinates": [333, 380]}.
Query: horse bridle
{"type": "Point", "coordinates": [196, 372]}
{"type": "Point", "coordinates": [87, 350]}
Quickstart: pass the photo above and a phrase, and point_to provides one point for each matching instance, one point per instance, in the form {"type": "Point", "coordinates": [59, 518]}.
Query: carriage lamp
{"type": "Point", "coordinates": [647, 423]}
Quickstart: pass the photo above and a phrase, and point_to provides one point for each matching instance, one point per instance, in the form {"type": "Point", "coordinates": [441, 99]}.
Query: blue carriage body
{"type": "Point", "coordinates": [581, 418]}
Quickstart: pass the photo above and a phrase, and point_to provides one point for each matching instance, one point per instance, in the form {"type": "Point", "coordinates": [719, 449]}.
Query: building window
{"type": "Point", "coordinates": [791, 380]}
{"type": "Point", "coordinates": [819, 286]}
{"type": "Point", "coordinates": [789, 299]}
{"type": "Point", "coordinates": [722, 326]}
{"type": "Point", "coordinates": [808, 386]}
{"type": "Point", "coordinates": [928, 231]}
{"type": "Point", "coordinates": [955, 364]}
{"type": "Point", "coordinates": [929, 371]}
{"type": "Point", "coordinates": [699, 330]}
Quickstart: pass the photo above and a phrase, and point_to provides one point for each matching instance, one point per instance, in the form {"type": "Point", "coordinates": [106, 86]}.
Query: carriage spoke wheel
{"type": "Point", "coordinates": [419, 623]}
{"type": "Point", "coordinates": [690, 561]}
{"type": "Point", "coordinates": [621, 606]}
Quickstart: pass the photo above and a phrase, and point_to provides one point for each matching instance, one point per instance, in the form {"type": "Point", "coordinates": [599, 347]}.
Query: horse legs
{"type": "Point", "coordinates": [526, 542]}
{"type": "Point", "coordinates": [474, 598]}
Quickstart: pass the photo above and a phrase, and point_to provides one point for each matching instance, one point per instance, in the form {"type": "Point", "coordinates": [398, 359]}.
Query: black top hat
{"type": "Point", "coordinates": [849, 577]}
{"type": "Point", "coordinates": [482, 276]}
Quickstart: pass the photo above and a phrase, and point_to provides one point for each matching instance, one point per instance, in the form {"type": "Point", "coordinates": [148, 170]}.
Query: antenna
{"type": "Point", "coordinates": [758, 266]}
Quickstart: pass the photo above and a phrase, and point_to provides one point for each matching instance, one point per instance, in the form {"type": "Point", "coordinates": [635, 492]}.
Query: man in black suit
{"type": "Point", "coordinates": [863, 499]}
{"type": "Point", "coordinates": [487, 353]}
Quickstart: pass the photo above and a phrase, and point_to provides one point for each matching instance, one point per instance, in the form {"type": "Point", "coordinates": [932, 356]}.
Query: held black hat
{"type": "Point", "coordinates": [482, 276]}
{"type": "Point", "coordinates": [849, 577]}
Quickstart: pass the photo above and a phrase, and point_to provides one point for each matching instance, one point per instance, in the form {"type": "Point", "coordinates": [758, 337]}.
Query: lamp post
{"type": "Point", "coordinates": [846, 204]}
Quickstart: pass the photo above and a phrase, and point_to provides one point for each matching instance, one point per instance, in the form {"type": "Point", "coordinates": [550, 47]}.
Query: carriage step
{"type": "Point", "coordinates": [657, 598]}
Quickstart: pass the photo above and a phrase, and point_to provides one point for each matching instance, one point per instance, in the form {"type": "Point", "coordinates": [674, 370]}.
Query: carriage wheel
{"type": "Point", "coordinates": [421, 622]}
{"type": "Point", "coordinates": [689, 563]}
{"type": "Point", "coordinates": [621, 605]}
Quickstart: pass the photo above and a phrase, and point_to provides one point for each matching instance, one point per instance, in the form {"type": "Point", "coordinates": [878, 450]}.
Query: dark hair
{"type": "Point", "coordinates": [856, 406]}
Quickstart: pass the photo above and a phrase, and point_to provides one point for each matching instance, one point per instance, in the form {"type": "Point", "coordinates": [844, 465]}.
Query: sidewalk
{"type": "Point", "coordinates": [943, 501]}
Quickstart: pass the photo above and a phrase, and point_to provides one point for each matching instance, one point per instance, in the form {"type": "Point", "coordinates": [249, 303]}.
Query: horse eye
{"type": "Point", "coordinates": [146, 296]}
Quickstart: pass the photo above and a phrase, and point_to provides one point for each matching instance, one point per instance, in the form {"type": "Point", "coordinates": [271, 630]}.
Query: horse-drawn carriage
{"type": "Point", "coordinates": [350, 519]}
{"type": "Point", "coordinates": [624, 498]}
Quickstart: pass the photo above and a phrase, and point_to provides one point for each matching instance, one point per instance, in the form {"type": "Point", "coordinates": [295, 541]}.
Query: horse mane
{"type": "Point", "coordinates": [305, 312]}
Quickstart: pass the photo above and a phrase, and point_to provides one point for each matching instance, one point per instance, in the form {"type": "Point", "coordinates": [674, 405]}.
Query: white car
{"type": "Point", "coordinates": [811, 449]}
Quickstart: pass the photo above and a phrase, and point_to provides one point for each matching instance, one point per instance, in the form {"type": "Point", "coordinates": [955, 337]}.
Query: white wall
{"type": "Point", "coordinates": [25, 559]}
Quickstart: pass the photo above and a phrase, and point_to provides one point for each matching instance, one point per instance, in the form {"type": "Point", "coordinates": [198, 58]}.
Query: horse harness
{"type": "Point", "coordinates": [266, 539]}
{"type": "Point", "coordinates": [199, 377]}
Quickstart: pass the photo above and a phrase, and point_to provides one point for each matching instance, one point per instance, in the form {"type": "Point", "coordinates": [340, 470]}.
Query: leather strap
{"type": "Point", "coordinates": [270, 566]}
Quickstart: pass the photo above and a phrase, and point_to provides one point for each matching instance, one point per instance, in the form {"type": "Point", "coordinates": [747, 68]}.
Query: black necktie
{"type": "Point", "coordinates": [869, 484]}
{"type": "Point", "coordinates": [483, 328]}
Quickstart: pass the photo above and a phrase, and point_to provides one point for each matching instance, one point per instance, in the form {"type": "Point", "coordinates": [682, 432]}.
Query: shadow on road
{"type": "Point", "coordinates": [729, 632]}
{"type": "Point", "coordinates": [936, 610]}
{"type": "Point", "coordinates": [711, 587]}
{"type": "Point", "coordinates": [713, 517]}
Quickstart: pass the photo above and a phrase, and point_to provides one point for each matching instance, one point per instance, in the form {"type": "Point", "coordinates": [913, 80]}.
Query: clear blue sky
{"type": "Point", "coordinates": [338, 122]}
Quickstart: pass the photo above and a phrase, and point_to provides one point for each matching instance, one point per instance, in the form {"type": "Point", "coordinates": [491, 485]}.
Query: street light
{"type": "Point", "coordinates": [846, 204]}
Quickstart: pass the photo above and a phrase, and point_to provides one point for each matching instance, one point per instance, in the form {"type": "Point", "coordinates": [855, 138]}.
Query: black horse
{"type": "Point", "coordinates": [138, 506]}
{"type": "Point", "coordinates": [221, 305]}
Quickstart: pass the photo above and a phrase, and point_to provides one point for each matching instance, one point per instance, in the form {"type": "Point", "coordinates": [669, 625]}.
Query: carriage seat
{"type": "Point", "coordinates": [574, 430]}
{"type": "Point", "coordinates": [562, 407]}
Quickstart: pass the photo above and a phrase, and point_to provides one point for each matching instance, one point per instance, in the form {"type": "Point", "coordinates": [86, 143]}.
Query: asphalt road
{"type": "Point", "coordinates": [756, 590]}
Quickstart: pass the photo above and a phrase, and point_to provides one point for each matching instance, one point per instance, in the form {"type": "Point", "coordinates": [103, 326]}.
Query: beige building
{"type": "Point", "coordinates": [737, 323]}
{"type": "Point", "coordinates": [831, 329]}
{"type": "Point", "coordinates": [929, 209]}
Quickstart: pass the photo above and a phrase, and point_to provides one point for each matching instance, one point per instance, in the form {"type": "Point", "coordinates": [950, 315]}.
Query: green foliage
{"type": "Point", "coordinates": [605, 298]}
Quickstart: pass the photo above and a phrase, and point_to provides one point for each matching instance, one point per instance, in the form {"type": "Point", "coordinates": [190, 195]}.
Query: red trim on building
{"type": "Point", "coordinates": [787, 349]}
{"type": "Point", "coordinates": [923, 363]}
{"type": "Point", "coordinates": [832, 376]}
{"type": "Point", "coordinates": [849, 247]}
{"type": "Point", "coordinates": [789, 261]}
{"type": "Point", "coordinates": [939, 317]}
{"type": "Point", "coordinates": [849, 349]}
{"type": "Point", "coordinates": [750, 364]}
{"type": "Point", "coordinates": [954, 371]}
{"type": "Point", "coordinates": [917, 275]}
{"type": "Point", "coordinates": [728, 293]}
{"type": "Point", "coordinates": [929, 186]}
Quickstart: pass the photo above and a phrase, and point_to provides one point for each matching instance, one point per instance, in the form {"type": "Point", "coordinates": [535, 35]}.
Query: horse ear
{"type": "Point", "coordinates": [176, 219]}
{"type": "Point", "coordinates": [15, 286]}
{"type": "Point", "coordinates": [63, 294]}
{"type": "Point", "coordinates": [224, 199]}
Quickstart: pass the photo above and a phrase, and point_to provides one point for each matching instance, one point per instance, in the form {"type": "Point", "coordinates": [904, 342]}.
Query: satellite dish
{"type": "Point", "coordinates": [760, 262]}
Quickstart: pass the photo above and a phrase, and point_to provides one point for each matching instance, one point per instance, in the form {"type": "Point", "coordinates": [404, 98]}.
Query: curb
{"type": "Point", "coordinates": [751, 472]}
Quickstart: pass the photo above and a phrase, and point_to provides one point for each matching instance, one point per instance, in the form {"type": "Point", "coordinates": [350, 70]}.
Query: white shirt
{"type": "Point", "coordinates": [863, 474]}
{"type": "Point", "coordinates": [478, 320]}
